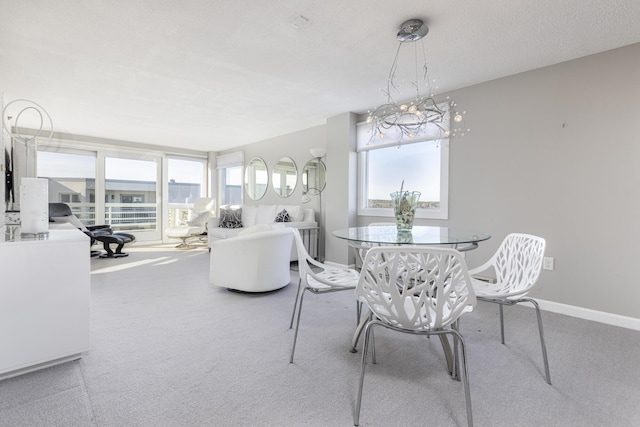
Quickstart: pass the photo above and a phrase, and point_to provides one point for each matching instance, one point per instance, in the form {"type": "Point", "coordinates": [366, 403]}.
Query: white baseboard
{"type": "Point", "coordinates": [588, 314]}
{"type": "Point", "coordinates": [570, 310]}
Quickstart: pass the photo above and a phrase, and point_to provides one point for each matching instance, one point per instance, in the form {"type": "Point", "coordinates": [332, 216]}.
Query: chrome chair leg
{"type": "Point", "coordinates": [455, 370]}
{"type": "Point", "coordinates": [542, 342]}
{"type": "Point", "coordinates": [461, 368]}
{"type": "Point", "coordinates": [457, 338]}
{"type": "Point", "coordinates": [365, 347]}
{"type": "Point", "coordinates": [295, 336]}
{"type": "Point", "coordinates": [358, 332]}
{"type": "Point", "coordinates": [295, 303]}
{"type": "Point", "coordinates": [373, 348]}
{"type": "Point", "coordinates": [501, 322]}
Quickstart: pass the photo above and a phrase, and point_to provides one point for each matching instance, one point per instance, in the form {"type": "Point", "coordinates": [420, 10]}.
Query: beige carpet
{"type": "Point", "coordinates": [170, 350]}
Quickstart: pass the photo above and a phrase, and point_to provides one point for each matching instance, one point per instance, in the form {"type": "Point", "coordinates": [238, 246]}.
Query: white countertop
{"type": "Point", "coordinates": [57, 233]}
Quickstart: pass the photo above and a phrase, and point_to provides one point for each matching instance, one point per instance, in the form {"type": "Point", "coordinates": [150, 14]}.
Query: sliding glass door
{"type": "Point", "coordinates": [186, 182]}
{"type": "Point", "coordinates": [131, 196]}
{"type": "Point", "coordinates": [127, 190]}
{"type": "Point", "coordinates": [72, 179]}
{"type": "Point", "coordinates": [101, 187]}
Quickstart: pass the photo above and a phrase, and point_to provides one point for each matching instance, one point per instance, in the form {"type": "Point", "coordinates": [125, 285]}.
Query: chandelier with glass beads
{"type": "Point", "coordinates": [421, 114]}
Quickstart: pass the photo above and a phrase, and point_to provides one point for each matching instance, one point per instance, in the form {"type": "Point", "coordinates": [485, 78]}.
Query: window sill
{"type": "Point", "coordinates": [388, 213]}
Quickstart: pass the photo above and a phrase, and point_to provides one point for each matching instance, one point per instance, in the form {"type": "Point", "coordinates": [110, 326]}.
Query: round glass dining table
{"type": "Point", "coordinates": [419, 235]}
{"type": "Point", "coordinates": [462, 240]}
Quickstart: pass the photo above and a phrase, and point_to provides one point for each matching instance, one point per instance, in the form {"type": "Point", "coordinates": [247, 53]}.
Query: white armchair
{"type": "Point", "coordinates": [195, 225]}
{"type": "Point", "coordinates": [253, 261]}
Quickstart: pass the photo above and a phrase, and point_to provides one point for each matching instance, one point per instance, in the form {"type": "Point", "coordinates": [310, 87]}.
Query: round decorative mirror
{"type": "Point", "coordinates": [256, 178]}
{"type": "Point", "coordinates": [284, 177]}
{"type": "Point", "coordinates": [314, 177]}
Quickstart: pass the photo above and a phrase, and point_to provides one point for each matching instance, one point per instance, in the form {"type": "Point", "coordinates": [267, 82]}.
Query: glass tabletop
{"type": "Point", "coordinates": [420, 235]}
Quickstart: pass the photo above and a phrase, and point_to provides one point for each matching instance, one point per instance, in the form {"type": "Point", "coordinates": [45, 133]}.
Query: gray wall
{"type": "Point", "coordinates": [341, 185]}
{"type": "Point", "coordinates": [555, 152]}
{"type": "Point", "coordinates": [552, 152]}
{"type": "Point", "coordinates": [295, 145]}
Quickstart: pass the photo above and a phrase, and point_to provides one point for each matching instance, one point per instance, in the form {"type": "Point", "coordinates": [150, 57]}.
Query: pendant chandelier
{"type": "Point", "coordinates": [421, 115]}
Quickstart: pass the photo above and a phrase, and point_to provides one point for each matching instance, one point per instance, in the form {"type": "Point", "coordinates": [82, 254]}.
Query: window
{"type": "Point", "coordinates": [72, 176]}
{"type": "Point", "coordinates": [187, 180]}
{"type": "Point", "coordinates": [387, 163]}
{"type": "Point", "coordinates": [231, 186]}
{"type": "Point", "coordinates": [69, 197]}
{"type": "Point", "coordinates": [420, 166]}
{"type": "Point", "coordinates": [230, 178]}
{"type": "Point", "coordinates": [133, 182]}
{"type": "Point", "coordinates": [125, 188]}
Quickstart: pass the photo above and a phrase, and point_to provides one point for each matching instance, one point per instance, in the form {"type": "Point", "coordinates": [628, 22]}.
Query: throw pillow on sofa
{"type": "Point", "coordinates": [283, 216]}
{"type": "Point", "coordinates": [230, 218]}
{"type": "Point", "coordinates": [296, 213]}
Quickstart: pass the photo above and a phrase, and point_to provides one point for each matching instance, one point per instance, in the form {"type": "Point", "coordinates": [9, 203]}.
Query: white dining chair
{"type": "Point", "coordinates": [415, 290]}
{"type": "Point", "coordinates": [516, 264]}
{"type": "Point", "coordinates": [319, 279]}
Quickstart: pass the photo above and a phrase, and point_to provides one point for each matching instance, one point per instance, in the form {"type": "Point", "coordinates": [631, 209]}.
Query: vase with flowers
{"type": "Point", "coordinates": [404, 208]}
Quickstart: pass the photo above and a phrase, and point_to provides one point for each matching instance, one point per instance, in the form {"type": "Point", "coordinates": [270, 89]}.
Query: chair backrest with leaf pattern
{"type": "Point", "coordinates": [517, 263]}
{"type": "Point", "coordinates": [415, 288]}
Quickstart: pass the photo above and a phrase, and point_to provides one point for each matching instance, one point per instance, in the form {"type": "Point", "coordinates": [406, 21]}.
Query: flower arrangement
{"type": "Point", "coordinates": [404, 207]}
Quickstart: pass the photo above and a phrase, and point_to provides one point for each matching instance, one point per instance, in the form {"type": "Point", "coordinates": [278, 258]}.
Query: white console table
{"type": "Point", "coordinates": [44, 299]}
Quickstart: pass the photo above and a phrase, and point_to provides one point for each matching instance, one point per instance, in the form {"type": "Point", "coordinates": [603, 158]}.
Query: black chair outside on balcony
{"type": "Point", "coordinates": [61, 213]}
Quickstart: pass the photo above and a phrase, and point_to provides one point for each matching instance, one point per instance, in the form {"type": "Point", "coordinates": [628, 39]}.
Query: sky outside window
{"type": "Point", "coordinates": [130, 170]}
{"type": "Point", "coordinates": [418, 165]}
{"type": "Point", "coordinates": [185, 171]}
{"type": "Point", "coordinates": [63, 165]}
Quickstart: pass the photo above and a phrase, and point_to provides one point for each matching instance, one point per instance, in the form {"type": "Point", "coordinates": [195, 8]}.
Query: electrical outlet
{"type": "Point", "coordinates": [548, 263]}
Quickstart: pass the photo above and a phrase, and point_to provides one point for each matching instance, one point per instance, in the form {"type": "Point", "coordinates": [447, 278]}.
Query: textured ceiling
{"type": "Point", "coordinates": [210, 75]}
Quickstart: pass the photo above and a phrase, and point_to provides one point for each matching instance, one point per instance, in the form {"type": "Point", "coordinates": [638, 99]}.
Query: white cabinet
{"type": "Point", "coordinates": [44, 299]}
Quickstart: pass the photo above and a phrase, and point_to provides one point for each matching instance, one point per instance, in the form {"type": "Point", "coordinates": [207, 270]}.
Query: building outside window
{"type": "Point", "coordinates": [69, 197]}
{"type": "Point", "coordinates": [128, 198]}
{"type": "Point", "coordinates": [71, 177]}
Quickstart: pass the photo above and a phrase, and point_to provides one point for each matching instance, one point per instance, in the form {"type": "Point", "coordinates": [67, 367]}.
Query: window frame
{"type": "Point", "coordinates": [100, 149]}
{"type": "Point", "coordinates": [224, 162]}
{"type": "Point", "coordinates": [203, 162]}
{"type": "Point", "coordinates": [367, 140]}
{"type": "Point", "coordinates": [431, 213]}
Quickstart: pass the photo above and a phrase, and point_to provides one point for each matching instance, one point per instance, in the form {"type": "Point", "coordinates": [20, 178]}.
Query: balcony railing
{"type": "Point", "coordinates": [130, 216]}
{"type": "Point", "coordinates": [120, 216]}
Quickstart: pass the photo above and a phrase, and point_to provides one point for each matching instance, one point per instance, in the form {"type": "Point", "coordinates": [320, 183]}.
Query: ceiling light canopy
{"type": "Point", "coordinates": [421, 114]}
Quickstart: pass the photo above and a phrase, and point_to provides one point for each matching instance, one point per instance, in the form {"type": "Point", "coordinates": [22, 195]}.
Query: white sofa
{"type": "Point", "coordinates": [254, 261]}
{"type": "Point", "coordinates": [254, 215]}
